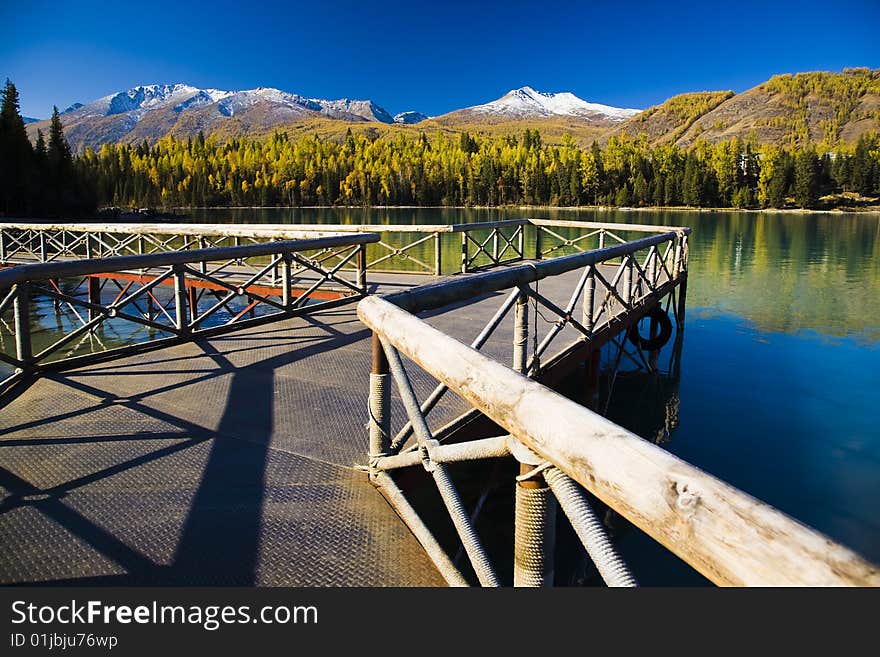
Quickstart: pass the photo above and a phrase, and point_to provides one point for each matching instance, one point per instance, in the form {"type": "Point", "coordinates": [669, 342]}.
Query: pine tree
{"type": "Point", "coordinates": [16, 154]}
{"type": "Point", "coordinates": [59, 149]}
{"type": "Point", "coordinates": [692, 183]}
{"type": "Point", "coordinates": [40, 174]}
{"type": "Point", "coordinates": [641, 191]}
{"type": "Point", "coordinates": [60, 184]}
{"type": "Point", "coordinates": [806, 179]}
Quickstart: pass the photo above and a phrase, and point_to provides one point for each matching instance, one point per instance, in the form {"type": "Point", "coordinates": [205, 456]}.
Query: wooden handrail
{"type": "Point", "coordinates": [725, 534]}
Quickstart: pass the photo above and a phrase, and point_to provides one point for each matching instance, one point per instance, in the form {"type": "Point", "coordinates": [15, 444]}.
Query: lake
{"type": "Point", "coordinates": [780, 362]}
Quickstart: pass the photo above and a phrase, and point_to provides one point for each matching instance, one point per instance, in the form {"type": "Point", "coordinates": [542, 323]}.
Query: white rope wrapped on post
{"type": "Point", "coordinates": [589, 529]}
{"type": "Point", "coordinates": [534, 536]}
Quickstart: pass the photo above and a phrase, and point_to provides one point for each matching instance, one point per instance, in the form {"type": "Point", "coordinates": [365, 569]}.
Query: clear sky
{"type": "Point", "coordinates": [430, 57]}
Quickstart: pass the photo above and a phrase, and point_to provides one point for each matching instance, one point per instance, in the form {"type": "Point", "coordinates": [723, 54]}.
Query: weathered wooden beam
{"type": "Point", "coordinates": [727, 535]}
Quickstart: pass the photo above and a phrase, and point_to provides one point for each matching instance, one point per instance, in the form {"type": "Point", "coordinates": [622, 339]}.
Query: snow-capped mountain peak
{"type": "Point", "coordinates": [149, 111]}
{"type": "Point", "coordinates": [134, 104]}
{"type": "Point", "coordinates": [527, 102]}
{"type": "Point", "coordinates": [410, 117]}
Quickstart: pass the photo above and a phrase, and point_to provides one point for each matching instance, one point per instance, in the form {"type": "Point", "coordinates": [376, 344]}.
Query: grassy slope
{"type": "Point", "coordinates": [794, 110]}
{"type": "Point", "coordinates": [668, 121]}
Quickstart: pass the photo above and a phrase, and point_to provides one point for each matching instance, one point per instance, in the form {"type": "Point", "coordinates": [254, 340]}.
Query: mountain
{"type": "Point", "coordinates": [555, 115]}
{"type": "Point", "coordinates": [408, 118]}
{"type": "Point", "coordinates": [28, 119]}
{"type": "Point", "coordinates": [148, 112]}
{"type": "Point", "coordinates": [526, 103]}
{"type": "Point", "coordinates": [817, 107]}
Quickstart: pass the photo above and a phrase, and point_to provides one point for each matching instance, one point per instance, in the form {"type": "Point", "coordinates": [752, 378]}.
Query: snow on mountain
{"type": "Point", "coordinates": [148, 112]}
{"type": "Point", "coordinates": [410, 117]}
{"type": "Point", "coordinates": [275, 101]}
{"type": "Point", "coordinates": [525, 102]}
{"type": "Point", "coordinates": [346, 108]}
{"type": "Point", "coordinates": [139, 101]}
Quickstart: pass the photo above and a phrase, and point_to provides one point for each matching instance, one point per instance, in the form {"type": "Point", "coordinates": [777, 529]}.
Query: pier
{"type": "Point", "coordinates": [240, 404]}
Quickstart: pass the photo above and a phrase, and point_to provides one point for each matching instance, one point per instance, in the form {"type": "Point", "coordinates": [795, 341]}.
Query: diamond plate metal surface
{"type": "Point", "coordinates": [225, 462]}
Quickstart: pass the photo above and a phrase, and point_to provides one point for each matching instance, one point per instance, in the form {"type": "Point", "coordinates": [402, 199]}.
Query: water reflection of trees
{"type": "Point", "coordinates": [782, 271]}
{"type": "Point", "coordinates": [789, 272]}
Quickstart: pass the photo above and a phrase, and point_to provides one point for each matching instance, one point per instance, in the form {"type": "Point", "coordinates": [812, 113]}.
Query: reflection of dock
{"type": "Point", "coordinates": [223, 439]}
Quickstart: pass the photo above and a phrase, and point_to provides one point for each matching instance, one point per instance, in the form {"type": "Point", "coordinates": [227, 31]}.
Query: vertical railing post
{"type": "Point", "coordinates": [43, 254]}
{"type": "Point", "coordinates": [203, 264]}
{"type": "Point", "coordinates": [180, 299]}
{"type": "Point", "coordinates": [587, 310]}
{"type": "Point", "coordinates": [438, 264]}
{"type": "Point", "coordinates": [94, 294]}
{"type": "Point", "coordinates": [684, 253]}
{"type": "Point", "coordinates": [286, 296]}
{"type": "Point", "coordinates": [521, 241]}
{"type": "Point", "coordinates": [534, 532]}
{"type": "Point", "coordinates": [682, 297]}
{"type": "Point", "coordinates": [653, 267]}
{"type": "Point", "coordinates": [362, 268]}
{"type": "Point", "coordinates": [521, 333]}
{"type": "Point", "coordinates": [464, 252]}
{"type": "Point", "coordinates": [2, 246]}
{"type": "Point", "coordinates": [627, 280]}
{"type": "Point", "coordinates": [22, 318]}
{"type": "Point", "coordinates": [89, 249]}
{"type": "Point", "coordinates": [601, 238]}
{"type": "Point", "coordinates": [676, 261]}
{"type": "Point", "coordinates": [379, 403]}
{"type": "Point", "coordinates": [538, 231]}
{"type": "Point", "coordinates": [193, 300]}
{"type": "Point", "coordinates": [495, 245]}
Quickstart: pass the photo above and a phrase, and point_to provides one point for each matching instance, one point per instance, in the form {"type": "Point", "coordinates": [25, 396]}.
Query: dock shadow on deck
{"type": "Point", "coordinates": [228, 461]}
{"type": "Point", "coordinates": [224, 462]}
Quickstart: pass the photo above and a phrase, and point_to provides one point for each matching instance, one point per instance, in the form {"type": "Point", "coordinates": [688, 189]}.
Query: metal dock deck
{"type": "Point", "coordinates": [232, 461]}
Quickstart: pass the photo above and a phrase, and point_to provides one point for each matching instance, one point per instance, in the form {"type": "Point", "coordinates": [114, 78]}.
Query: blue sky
{"type": "Point", "coordinates": [431, 57]}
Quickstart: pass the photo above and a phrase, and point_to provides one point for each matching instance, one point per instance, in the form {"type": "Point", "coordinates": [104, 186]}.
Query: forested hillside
{"type": "Point", "coordinates": [470, 170]}
{"type": "Point", "coordinates": [436, 166]}
{"type": "Point", "coordinates": [818, 108]}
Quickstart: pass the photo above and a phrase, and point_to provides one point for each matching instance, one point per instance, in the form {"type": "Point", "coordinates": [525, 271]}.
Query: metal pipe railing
{"type": "Point", "coordinates": [724, 533]}
{"type": "Point", "coordinates": [49, 240]}
{"type": "Point", "coordinates": [63, 269]}
{"type": "Point", "coordinates": [29, 283]}
{"type": "Point", "coordinates": [444, 293]}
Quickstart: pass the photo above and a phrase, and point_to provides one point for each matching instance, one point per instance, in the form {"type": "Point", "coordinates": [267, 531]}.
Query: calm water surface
{"type": "Point", "coordinates": [780, 363]}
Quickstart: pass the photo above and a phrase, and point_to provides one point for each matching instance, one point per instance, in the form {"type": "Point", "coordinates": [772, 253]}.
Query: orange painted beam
{"type": "Point", "coordinates": [263, 290]}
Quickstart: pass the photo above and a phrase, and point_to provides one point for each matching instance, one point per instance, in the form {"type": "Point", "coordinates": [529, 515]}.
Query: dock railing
{"type": "Point", "coordinates": [565, 449]}
{"type": "Point", "coordinates": [144, 302]}
{"type": "Point", "coordinates": [432, 249]}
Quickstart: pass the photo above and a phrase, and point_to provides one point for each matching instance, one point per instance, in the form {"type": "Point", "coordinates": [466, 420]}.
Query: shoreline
{"type": "Point", "coordinates": [874, 209]}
